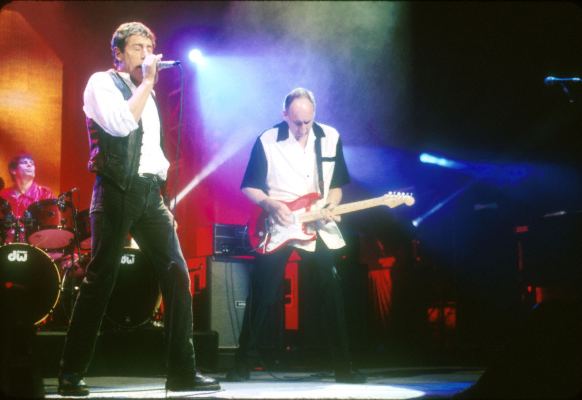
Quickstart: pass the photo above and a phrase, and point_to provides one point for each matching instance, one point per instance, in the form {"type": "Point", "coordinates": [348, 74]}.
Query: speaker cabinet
{"type": "Point", "coordinates": [229, 279]}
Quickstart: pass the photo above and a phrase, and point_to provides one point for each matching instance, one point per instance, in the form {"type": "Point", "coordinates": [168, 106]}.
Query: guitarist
{"type": "Point", "coordinates": [294, 158]}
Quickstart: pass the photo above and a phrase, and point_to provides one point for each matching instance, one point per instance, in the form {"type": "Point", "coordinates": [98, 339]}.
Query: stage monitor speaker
{"type": "Point", "coordinates": [229, 279]}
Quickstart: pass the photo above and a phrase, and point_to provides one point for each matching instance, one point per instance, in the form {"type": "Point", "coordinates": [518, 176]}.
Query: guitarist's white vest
{"type": "Point", "coordinates": [292, 171]}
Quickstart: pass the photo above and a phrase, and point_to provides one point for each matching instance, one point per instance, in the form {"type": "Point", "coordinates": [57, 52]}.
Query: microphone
{"type": "Point", "coordinates": [167, 64]}
{"type": "Point", "coordinates": [552, 80]}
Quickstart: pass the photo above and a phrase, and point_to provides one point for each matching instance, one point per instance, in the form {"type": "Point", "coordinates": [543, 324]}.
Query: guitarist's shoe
{"type": "Point", "coordinates": [72, 385]}
{"type": "Point", "coordinates": [190, 383]}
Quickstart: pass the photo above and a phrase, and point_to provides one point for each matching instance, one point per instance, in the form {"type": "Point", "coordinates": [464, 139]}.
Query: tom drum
{"type": "Point", "coordinates": [52, 225]}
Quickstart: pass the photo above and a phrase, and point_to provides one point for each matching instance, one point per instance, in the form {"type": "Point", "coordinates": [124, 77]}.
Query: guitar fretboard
{"type": "Point", "coordinates": [390, 201]}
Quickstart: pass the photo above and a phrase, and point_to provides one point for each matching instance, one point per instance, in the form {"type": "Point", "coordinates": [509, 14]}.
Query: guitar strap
{"type": "Point", "coordinates": [318, 134]}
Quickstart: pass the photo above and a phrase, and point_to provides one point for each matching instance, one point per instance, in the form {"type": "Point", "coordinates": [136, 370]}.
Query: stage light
{"type": "Point", "coordinates": [427, 158]}
{"type": "Point", "coordinates": [420, 219]}
{"type": "Point", "coordinates": [197, 57]}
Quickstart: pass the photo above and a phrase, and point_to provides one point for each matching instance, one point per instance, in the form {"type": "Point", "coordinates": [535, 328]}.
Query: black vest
{"type": "Point", "coordinates": [115, 158]}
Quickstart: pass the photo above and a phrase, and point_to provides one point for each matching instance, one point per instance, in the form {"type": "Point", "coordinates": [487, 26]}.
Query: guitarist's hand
{"type": "Point", "coordinates": [278, 211]}
{"type": "Point", "coordinates": [328, 215]}
{"type": "Point", "coordinates": [333, 199]}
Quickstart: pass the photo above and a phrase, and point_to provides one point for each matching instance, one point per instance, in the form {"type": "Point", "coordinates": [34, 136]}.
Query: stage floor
{"type": "Point", "coordinates": [386, 384]}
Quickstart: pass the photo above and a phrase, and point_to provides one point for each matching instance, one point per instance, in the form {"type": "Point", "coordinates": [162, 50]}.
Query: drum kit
{"type": "Point", "coordinates": [43, 258]}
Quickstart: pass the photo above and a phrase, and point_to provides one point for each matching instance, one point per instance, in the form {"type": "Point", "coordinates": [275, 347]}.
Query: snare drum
{"type": "Point", "coordinates": [29, 283]}
{"type": "Point", "coordinates": [52, 224]}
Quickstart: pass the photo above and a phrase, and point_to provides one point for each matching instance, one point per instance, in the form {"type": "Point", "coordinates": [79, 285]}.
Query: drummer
{"type": "Point", "coordinates": [24, 190]}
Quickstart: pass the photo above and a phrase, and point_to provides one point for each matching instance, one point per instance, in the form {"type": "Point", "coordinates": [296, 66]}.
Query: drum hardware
{"type": "Point", "coordinates": [73, 268]}
{"type": "Point", "coordinates": [83, 226]}
{"type": "Point", "coordinates": [7, 220]}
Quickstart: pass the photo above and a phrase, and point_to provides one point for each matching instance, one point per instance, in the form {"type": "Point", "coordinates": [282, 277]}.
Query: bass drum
{"type": "Point", "coordinates": [136, 296]}
{"type": "Point", "coordinates": [29, 283]}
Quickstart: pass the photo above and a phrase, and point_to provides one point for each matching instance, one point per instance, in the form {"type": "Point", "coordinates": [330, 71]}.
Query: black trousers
{"type": "Point", "coordinates": [115, 213]}
{"type": "Point", "coordinates": [266, 291]}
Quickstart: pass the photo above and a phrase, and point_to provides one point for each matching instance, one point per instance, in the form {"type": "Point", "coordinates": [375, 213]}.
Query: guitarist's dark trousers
{"type": "Point", "coordinates": [266, 292]}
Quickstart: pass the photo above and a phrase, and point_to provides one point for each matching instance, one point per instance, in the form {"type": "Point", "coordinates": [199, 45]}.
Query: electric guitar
{"type": "Point", "coordinates": [266, 236]}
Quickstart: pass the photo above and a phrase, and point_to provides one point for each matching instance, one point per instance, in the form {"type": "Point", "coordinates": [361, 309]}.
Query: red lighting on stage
{"type": "Point", "coordinates": [387, 262]}
{"type": "Point", "coordinates": [443, 315]}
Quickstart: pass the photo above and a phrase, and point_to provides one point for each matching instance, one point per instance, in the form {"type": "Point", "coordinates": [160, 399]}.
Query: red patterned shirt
{"type": "Point", "coordinates": [19, 202]}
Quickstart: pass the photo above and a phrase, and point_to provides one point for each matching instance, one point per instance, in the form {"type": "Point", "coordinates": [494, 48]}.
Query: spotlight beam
{"type": "Point", "coordinates": [219, 159]}
{"type": "Point", "coordinates": [418, 220]}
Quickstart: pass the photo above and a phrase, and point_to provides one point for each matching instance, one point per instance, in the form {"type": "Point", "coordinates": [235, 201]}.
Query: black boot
{"type": "Point", "coordinates": [72, 385]}
{"type": "Point", "coordinates": [191, 383]}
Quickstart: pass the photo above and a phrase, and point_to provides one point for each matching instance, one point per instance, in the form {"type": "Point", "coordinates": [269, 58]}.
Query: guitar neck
{"type": "Point", "coordinates": [311, 216]}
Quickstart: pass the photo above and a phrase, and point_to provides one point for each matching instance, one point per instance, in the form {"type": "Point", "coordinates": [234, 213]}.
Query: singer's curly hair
{"type": "Point", "coordinates": [124, 31]}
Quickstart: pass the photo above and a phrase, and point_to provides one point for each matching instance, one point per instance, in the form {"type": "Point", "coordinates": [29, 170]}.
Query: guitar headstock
{"type": "Point", "coordinates": [394, 199]}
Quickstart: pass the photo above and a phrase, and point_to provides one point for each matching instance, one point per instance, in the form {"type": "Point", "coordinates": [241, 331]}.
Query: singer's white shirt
{"type": "Point", "coordinates": [104, 103]}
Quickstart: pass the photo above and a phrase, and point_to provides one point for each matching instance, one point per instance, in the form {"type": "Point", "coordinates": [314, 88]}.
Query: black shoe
{"type": "Point", "coordinates": [72, 385]}
{"type": "Point", "coordinates": [191, 383]}
{"type": "Point", "coordinates": [350, 376]}
{"type": "Point", "coordinates": [237, 374]}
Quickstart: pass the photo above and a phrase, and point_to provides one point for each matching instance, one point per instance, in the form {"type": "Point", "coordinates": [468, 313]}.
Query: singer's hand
{"type": "Point", "coordinates": [149, 67]}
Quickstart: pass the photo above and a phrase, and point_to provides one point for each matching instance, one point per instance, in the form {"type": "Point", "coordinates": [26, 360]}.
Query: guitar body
{"type": "Point", "coordinates": [266, 237]}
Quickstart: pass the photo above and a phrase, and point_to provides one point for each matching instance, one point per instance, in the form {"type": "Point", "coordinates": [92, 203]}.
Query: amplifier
{"type": "Point", "coordinates": [231, 240]}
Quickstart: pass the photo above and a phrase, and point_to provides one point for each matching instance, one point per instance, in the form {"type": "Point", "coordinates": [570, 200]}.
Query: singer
{"type": "Point", "coordinates": [127, 156]}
